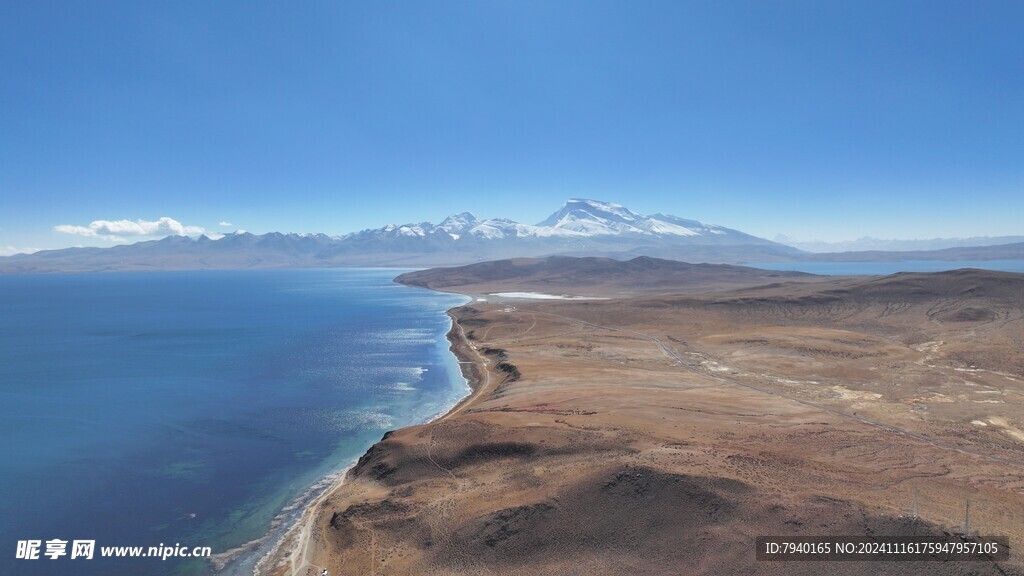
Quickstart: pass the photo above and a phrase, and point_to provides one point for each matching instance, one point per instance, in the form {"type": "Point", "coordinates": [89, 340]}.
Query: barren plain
{"type": "Point", "coordinates": [661, 434]}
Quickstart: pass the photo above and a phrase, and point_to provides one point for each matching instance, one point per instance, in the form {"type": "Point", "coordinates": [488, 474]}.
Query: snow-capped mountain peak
{"type": "Point", "coordinates": [591, 216]}
{"type": "Point", "coordinates": [459, 223]}
{"type": "Point", "coordinates": [595, 218]}
{"type": "Point", "coordinates": [577, 220]}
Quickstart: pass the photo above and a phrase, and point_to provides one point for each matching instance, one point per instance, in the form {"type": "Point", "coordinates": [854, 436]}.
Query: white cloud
{"type": "Point", "coordinates": [12, 250]}
{"type": "Point", "coordinates": [118, 230]}
{"type": "Point", "coordinates": [225, 224]}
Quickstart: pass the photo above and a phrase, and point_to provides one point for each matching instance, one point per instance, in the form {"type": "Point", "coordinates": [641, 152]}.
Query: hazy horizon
{"type": "Point", "coordinates": [103, 233]}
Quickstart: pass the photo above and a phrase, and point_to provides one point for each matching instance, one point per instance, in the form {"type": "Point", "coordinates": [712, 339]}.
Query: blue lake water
{"type": "Point", "coordinates": [854, 268]}
{"type": "Point", "coordinates": [139, 409]}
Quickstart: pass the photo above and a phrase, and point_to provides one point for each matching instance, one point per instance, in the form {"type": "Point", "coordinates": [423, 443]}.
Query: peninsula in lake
{"type": "Point", "coordinates": [644, 425]}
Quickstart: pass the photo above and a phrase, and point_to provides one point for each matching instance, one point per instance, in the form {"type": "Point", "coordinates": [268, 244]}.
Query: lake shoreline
{"type": "Point", "coordinates": [288, 555]}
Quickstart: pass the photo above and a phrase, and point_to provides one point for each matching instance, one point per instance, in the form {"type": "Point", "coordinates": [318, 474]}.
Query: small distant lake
{"type": "Point", "coordinates": [881, 268]}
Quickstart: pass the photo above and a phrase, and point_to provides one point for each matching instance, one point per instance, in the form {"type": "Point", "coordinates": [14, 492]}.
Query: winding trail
{"type": "Point", "coordinates": [298, 557]}
{"type": "Point", "coordinates": [430, 442]}
{"type": "Point", "coordinates": [485, 382]}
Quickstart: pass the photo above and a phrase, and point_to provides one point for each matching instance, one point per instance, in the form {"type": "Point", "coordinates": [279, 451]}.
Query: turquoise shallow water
{"type": "Point", "coordinates": [140, 409]}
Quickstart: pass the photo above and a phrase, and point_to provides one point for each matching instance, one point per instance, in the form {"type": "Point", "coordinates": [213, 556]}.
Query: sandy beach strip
{"type": "Point", "coordinates": [290, 554]}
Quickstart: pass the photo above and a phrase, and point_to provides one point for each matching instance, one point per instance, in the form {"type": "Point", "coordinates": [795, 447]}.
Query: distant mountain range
{"type": "Point", "coordinates": [998, 252]}
{"type": "Point", "coordinates": [579, 228]}
{"type": "Point", "coordinates": [577, 221]}
{"type": "Point", "coordinates": [868, 243]}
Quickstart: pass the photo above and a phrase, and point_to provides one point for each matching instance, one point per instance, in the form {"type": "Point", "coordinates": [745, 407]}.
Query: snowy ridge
{"type": "Point", "coordinates": [579, 218]}
{"type": "Point", "coordinates": [579, 228]}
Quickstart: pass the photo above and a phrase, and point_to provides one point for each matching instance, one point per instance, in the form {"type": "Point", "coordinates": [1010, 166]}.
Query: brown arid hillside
{"type": "Point", "coordinates": [595, 276]}
{"type": "Point", "coordinates": [661, 435]}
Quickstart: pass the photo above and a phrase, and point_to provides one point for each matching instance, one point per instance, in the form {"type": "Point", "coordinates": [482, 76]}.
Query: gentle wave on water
{"type": "Point", "coordinates": [201, 407]}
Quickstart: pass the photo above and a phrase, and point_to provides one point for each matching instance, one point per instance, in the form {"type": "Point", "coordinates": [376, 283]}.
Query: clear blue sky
{"type": "Point", "coordinates": [828, 120]}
